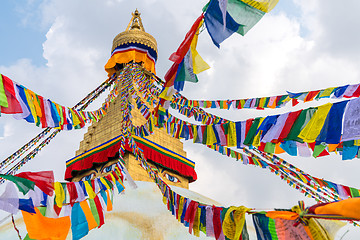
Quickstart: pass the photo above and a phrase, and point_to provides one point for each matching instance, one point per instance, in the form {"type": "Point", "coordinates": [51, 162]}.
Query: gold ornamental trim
{"type": "Point", "coordinates": [135, 36]}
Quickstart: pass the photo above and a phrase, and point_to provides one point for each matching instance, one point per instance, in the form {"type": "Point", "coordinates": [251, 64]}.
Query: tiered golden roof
{"type": "Point", "coordinates": [135, 33]}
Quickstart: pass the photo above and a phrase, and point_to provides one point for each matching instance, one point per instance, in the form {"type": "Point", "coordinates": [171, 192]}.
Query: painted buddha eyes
{"type": "Point", "coordinates": [88, 177]}
{"type": "Point", "coordinates": [171, 178]}
{"type": "Point", "coordinates": [95, 173]}
{"type": "Point", "coordinates": [109, 169]}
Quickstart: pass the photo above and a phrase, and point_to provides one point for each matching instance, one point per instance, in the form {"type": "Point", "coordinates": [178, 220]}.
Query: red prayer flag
{"type": "Point", "coordinates": [184, 47]}
{"type": "Point", "coordinates": [43, 180]}
{"type": "Point", "coordinates": [72, 192]}
{"type": "Point", "coordinates": [311, 95]}
{"type": "Point", "coordinates": [294, 102]}
{"type": "Point", "coordinates": [100, 211]}
{"type": "Point", "coordinates": [357, 92]}
{"type": "Point", "coordinates": [289, 123]}
{"type": "Point", "coordinates": [13, 104]}
{"type": "Point", "coordinates": [217, 221]}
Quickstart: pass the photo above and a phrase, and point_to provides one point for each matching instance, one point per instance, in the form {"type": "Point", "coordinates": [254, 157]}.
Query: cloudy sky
{"type": "Point", "coordinates": [59, 48]}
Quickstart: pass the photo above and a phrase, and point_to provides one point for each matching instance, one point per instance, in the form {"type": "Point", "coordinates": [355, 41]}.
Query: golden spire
{"type": "Point", "coordinates": [135, 22]}
{"type": "Point", "coordinates": [135, 33]}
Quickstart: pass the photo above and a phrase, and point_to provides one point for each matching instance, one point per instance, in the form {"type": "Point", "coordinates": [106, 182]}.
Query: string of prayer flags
{"type": "Point", "coordinates": [260, 103]}
{"type": "Point", "coordinates": [24, 104]}
{"type": "Point", "coordinates": [211, 220]}
{"type": "Point", "coordinates": [318, 129]}
{"type": "Point", "coordinates": [78, 202]}
{"type": "Point", "coordinates": [31, 155]}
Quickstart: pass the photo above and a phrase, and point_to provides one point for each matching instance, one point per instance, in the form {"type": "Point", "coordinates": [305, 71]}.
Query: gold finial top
{"type": "Point", "coordinates": [135, 22]}
{"type": "Point", "coordinates": [135, 33]}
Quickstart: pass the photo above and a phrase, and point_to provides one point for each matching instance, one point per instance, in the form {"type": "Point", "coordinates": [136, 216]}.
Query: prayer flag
{"type": "Point", "coordinates": [13, 103]}
{"type": "Point", "coordinates": [9, 200]}
{"type": "Point", "coordinates": [245, 15]}
{"type": "Point", "coordinates": [24, 185]}
{"type": "Point", "coordinates": [44, 180]}
{"type": "Point", "coordinates": [40, 227]}
{"type": "Point", "coordinates": [263, 5]}
{"type": "Point", "coordinates": [215, 25]}
{"type": "Point", "coordinates": [3, 99]}
{"type": "Point", "coordinates": [79, 225]}
{"type": "Point", "coordinates": [351, 124]}
{"type": "Point", "coordinates": [314, 126]}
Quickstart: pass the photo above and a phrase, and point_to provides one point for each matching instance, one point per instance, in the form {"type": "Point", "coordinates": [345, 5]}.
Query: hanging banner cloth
{"type": "Point", "coordinates": [166, 158]}
{"type": "Point", "coordinates": [155, 152]}
{"type": "Point", "coordinates": [136, 52]}
{"type": "Point", "coordinates": [98, 154]}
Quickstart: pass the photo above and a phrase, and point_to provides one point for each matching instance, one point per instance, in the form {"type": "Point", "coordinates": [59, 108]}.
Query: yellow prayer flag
{"type": "Point", "coordinates": [327, 92]}
{"type": "Point", "coordinates": [35, 102]}
{"type": "Point", "coordinates": [59, 194]}
{"type": "Point", "coordinates": [31, 104]}
{"type": "Point", "coordinates": [262, 102]}
{"type": "Point", "coordinates": [194, 128]}
{"type": "Point", "coordinates": [75, 119]}
{"type": "Point", "coordinates": [181, 206]}
{"type": "Point", "coordinates": [232, 227]}
{"type": "Point", "coordinates": [210, 135]}
{"type": "Point", "coordinates": [314, 126]}
{"type": "Point", "coordinates": [198, 63]}
{"type": "Point", "coordinates": [103, 181]}
{"type": "Point", "coordinates": [196, 224]}
{"type": "Point", "coordinates": [231, 136]}
{"type": "Point", "coordinates": [262, 5]}
{"type": "Point", "coordinates": [89, 190]}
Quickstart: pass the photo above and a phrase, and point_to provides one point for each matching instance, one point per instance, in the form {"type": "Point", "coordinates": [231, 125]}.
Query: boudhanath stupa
{"type": "Point", "coordinates": [130, 176]}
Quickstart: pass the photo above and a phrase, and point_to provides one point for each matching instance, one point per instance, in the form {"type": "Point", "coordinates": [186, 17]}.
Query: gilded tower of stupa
{"type": "Point", "coordinates": [134, 46]}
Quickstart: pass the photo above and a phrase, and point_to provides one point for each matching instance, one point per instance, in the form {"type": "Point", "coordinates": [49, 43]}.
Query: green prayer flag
{"type": "Point", "coordinates": [354, 192]}
{"type": "Point", "coordinates": [299, 124]}
{"type": "Point", "coordinates": [23, 184]}
{"type": "Point", "coordinates": [245, 15]}
{"type": "Point", "coordinates": [270, 147]}
{"type": "Point", "coordinates": [318, 149]}
{"type": "Point", "coordinates": [252, 132]}
{"type": "Point", "coordinates": [185, 71]}
{"type": "Point", "coordinates": [94, 211]}
{"type": "Point", "coordinates": [3, 99]}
